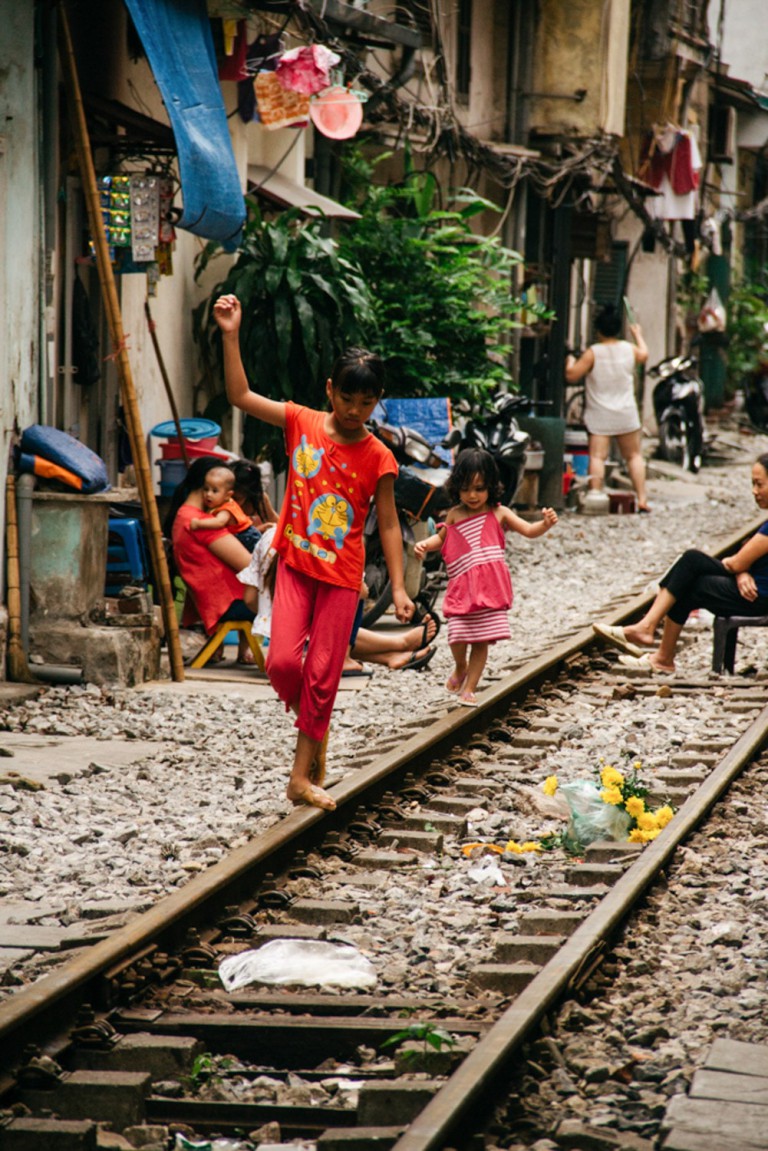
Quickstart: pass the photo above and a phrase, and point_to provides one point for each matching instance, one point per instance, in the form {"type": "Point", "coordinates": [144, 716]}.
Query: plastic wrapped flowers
{"type": "Point", "coordinates": [612, 806]}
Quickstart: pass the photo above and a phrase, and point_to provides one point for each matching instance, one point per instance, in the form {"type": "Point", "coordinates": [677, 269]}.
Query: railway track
{"type": "Point", "coordinates": [142, 1032]}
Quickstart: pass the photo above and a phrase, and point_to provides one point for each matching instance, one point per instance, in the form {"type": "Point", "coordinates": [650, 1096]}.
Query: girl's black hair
{"type": "Point", "coordinates": [763, 461]}
{"type": "Point", "coordinates": [192, 482]}
{"type": "Point", "coordinates": [475, 462]}
{"type": "Point", "coordinates": [248, 484]}
{"type": "Point", "coordinates": [358, 371]}
{"type": "Point", "coordinates": [608, 321]}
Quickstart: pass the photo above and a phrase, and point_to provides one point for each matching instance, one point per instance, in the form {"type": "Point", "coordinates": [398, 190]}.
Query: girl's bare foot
{"type": "Point", "coordinates": [455, 682]}
{"type": "Point", "coordinates": [312, 796]}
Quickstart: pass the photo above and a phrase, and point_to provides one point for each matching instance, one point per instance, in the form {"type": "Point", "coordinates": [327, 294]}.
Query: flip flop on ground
{"type": "Point", "coordinates": [643, 666]}
{"type": "Point", "coordinates": [616, 638]}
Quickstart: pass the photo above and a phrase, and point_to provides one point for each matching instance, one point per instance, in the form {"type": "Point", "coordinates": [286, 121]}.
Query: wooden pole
{"type": "Point", "coordinates": [18, 669]}
{"type": "Point", "coordinates": [166, 382]}
{"type": "Point", "coordinates": [120, 354]}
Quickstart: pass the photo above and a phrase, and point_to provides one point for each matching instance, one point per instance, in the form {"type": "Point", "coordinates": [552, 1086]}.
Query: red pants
{"type": "Point", "coordinates": [307, 682]}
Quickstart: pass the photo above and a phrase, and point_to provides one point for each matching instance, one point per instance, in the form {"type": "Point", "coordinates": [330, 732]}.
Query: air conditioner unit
{"type": "Point", "coordinates": [722, 134]}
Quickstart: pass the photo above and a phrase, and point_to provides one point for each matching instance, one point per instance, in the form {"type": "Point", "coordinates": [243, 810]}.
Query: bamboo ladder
{"type": "Point", "coordinates": [114, 318]}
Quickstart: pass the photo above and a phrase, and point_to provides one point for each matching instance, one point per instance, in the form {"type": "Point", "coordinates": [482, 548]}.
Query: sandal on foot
{"type": "Point", "coordinates": [643, 666]}
{"type": "Point", "coordinates": [455, 683]}
{"type": "Point", "coordinates": [616, 638]}
{"type": "Point", "coordinates": [420, 616]}
{"type": "Point", "coordinates": [417, 662]}
{"type": "Point", "coordinates": [468, 699]}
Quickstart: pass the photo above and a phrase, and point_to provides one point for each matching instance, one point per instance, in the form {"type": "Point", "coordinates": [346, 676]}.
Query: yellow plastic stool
{"type": "Point", "coordinates": [218, 637]}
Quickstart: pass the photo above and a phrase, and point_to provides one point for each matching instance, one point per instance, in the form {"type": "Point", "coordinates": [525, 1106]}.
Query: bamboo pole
{"type": "Point", "coordinates": [18, 669]}
{"type": "Point", "coordinates": [166, 382]}
{"type": "Point", "coordinates": [120, 354]}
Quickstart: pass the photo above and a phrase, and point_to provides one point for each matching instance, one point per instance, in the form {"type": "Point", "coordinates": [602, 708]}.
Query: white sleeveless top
{"type": "Point", "coordinates": [611, 408]}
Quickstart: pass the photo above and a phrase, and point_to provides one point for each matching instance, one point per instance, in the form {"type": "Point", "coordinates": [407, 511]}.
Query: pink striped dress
{"type": "Point", "coordinates": [479, 593]}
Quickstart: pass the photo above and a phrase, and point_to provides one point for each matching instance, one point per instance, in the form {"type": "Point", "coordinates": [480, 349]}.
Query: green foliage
{"type": "Point", "coordinates": [409, 280]}
{"type": "Point", "coordinates": [692, 289]}
{"type": "Point", "coordinates": [443, 296]}
{"type": "Point", "coordinates": [746, 329]}
{"type": "Point", "coordinates": [428, 1034]}
{"type": "Point", "coordinates": [303, 303]}
{"type": "Point", "coordinates": [208, 1068]}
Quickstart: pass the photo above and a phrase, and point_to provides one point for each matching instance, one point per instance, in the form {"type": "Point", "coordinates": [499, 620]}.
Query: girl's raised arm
{"type": "Point", "coordinates": [228, 315]}
{"type": "Point", "coordinates": [515, 523]}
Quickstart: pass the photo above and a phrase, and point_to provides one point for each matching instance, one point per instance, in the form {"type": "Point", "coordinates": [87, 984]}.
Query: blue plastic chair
{"type": "Point", "coordinates": [126, 556]}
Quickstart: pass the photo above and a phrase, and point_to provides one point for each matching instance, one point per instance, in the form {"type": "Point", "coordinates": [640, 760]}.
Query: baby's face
{"type": "Point", "coordinates": [217, 487]}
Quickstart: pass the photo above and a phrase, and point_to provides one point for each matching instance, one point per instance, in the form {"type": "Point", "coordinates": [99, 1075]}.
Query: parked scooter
{"type": "Point", "coordinates": [497, 431]}
{"type": "Point", "coordinates": [678, 403]}
{"type": "Point", "coordinates": [419, 497]}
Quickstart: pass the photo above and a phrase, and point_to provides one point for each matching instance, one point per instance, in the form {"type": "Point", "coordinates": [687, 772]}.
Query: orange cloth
{"type": "Point", "coordinates": [328, 493]}
{"type": "Point", "coordinates": [242, 521]}
{"type": "Point", "coordinates": [213, 584]}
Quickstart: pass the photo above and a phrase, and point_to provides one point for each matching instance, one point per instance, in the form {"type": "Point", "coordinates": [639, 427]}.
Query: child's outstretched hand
{"type": "Point", "coordinates": [420, 549]}
{"type": "Point", "coordinates": [227, 313]}
{"type": "Point", "coordinates": [549, 515]}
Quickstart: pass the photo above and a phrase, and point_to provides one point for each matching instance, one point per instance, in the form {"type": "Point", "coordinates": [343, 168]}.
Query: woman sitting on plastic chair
{"type": "Point", "coordinates": [208, 559]}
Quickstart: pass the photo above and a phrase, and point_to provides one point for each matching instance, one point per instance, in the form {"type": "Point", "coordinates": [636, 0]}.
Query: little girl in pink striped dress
{"type": "Point", "coordinates": [479, 593]}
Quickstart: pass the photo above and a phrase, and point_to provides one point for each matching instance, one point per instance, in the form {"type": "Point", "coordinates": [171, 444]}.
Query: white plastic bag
{"type": "Point", "coordinates": [590, 817]}
{"type": "Point", "coordinates": [712, 315]}
{"type": "Point", "coordinates": [304, 961]}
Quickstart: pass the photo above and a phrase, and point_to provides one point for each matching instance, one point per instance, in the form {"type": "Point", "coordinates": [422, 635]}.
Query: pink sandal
{"type": "Point", "coordinates": [468, 699]}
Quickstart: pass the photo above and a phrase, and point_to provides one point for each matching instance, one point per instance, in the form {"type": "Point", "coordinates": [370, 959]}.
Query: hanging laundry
{"type": "Point", "coordinates": [277, 107]}
{"type": "Point", "coordinates": [262, 56]}
{"type": "Point", "coordinates": [671, 164]}
{"type": "Point", "coordinates": [307, 70]}
{"type": "Point", "coordinates": [233, 64]}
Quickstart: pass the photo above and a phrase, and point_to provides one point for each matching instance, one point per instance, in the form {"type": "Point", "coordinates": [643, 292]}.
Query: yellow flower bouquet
{"type": "Point", "coordinates": [612, 806]}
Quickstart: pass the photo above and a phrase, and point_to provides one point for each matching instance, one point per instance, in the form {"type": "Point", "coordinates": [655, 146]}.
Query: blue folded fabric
{"type": "Point", "coordinates": [176, 35]}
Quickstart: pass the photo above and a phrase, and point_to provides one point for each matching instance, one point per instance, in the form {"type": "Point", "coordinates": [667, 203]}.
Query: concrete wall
{"type": "Point", "coordinates": [20, 271]}
{"type": "Point", "coordinates": [744, 43]}
{"type": "Point", "coordinates": [580, 44]}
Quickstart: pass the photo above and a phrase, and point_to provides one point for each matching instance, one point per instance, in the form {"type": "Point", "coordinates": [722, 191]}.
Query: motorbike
{"type": "Point", "coordinates": [678, 403]}
{"type": "Point", "coordinates": [420, 497]}
{"type": "Point", "coordinates": [497, 432]}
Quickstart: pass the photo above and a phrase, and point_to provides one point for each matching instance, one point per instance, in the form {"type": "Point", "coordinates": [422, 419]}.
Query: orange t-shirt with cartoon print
{"type": "Point", "coordinates": [328, 492]}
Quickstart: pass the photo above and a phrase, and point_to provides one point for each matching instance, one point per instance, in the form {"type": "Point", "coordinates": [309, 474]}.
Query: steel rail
{"type": "Point", "coordinates": [474, 1082]}
{"type": "Point", "coordinates": [231, 878]}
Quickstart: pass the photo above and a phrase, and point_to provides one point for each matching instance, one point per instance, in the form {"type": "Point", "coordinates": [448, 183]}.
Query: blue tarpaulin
{"type": "Point", "coordinates": [430, 416]}
{"type": "Point", "coordinates": [176, 35]}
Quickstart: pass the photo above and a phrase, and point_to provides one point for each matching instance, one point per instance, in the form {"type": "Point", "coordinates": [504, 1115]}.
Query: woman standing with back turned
{"type": "Point", "coordinates": [610, 410]}
{"type": "Point", "coordinates": [335, 468]}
